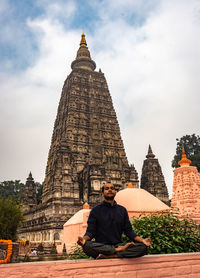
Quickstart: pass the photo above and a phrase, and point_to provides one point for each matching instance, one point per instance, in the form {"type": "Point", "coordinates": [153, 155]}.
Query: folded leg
{"type": "Point", "coordinates": [138, 250]}
{"type": "Point", "coordinates": [93, 249]}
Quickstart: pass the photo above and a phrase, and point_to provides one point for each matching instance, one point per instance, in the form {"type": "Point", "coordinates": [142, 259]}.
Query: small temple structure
{"type": "Point", "coordinates": [186, 189]}
{"type": "Point", "coordinates": [29, 198]}
{"type": "Point", "coordinates": [74, 227]}
{"type": "Point", "coordinates": [152, 178]}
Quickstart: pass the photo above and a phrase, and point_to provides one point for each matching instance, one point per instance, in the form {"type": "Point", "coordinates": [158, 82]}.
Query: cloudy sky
{"type": "Point", "coordinates": [148, 50]}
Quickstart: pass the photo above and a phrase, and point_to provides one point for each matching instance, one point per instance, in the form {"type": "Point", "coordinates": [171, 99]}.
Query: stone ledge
{"type": "Point", "coordinates": [150, 266]}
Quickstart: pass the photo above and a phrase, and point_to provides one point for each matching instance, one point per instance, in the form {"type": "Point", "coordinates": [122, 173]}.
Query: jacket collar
{"type": "Point", "coordinates": [108, 204]}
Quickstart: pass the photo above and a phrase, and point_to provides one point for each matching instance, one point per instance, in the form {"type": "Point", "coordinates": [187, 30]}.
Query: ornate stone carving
{"type": "Point", "coordinates": [186, 189]}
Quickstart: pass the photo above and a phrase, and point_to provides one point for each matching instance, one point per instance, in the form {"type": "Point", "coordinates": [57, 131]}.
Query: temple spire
{"type": "Point", "coordinates": [130, 185]}
{"type": "Point", "coordinates": [184, 161]}
{"type": "Point", "coordinates": [150, 153]}
{"type": "Point", "coordinates": [152, 178]}
{"type": "Point", "coordinates": [86, 206]}
{"type": "Point", "coordinates": [83, 40]}
{"type": "Point", "coordinates": [29, 198]}
{"type": "Point", "coordinates": [83, 59]}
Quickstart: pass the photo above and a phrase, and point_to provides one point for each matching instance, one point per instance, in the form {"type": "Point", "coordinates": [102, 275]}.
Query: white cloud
{"type": "Point", "coordinates": [153, 81]}
{"type": "Point", "coordinates": [152, 72]}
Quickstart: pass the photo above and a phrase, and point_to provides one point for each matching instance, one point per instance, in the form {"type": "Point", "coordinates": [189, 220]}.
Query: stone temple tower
{"type": "Point", "coordinates": [86, 148]}
{"type": "Point", "coordinates": [86, 151]}
{"type": "Point", "coordinates": [152, 178]}
{"type": "Point", "coordinates": [29, 198]}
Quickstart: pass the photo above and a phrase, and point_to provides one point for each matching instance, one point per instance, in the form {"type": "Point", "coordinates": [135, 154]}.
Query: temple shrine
{"type": "Point", "coordinates": [186, 189]}
{"type": "Point", "coordinates": [152, 178]}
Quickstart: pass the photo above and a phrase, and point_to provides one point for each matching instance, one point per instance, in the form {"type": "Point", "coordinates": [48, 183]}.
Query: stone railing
{"type": "Point", "coordinates": [150, 266]}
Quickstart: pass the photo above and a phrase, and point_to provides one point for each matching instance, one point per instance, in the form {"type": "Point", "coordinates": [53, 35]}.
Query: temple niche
{"type": "Point", "coordinates": [86, 150]}
{"type": "Point", "coordinates": [152, 178]}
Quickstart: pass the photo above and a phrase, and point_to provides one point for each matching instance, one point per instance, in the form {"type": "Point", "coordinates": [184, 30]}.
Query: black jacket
{"type": "Point", "coordinates": [106, 224]}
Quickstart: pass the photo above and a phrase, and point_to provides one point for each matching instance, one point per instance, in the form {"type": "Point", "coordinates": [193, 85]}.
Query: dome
{"type": "Point", "coordinates": [139, 200]}
{"type": "Point", "coordinates": [77, 217]}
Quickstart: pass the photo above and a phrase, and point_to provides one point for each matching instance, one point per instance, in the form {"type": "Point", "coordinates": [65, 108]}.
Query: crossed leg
{"type": "Point", "coordinates": [105, 251]}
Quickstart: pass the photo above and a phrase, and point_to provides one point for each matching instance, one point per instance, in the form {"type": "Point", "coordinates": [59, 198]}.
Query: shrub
{"type": "Point", "coordinates": [170, 233]}
{"type": "Point", "coordinates": [77, 253]}
{"type": "Point", "coordinates": [11, 217]}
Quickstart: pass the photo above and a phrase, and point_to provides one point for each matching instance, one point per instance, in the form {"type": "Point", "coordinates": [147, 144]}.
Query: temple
{"type": "Point", "coordinates": [186, 189]}
{"type": "Point", "coordinates": [86, 151]}
{"type": "Point", "coordinates": [29, 198]}
{"type": "Point", "coordinates": [152, 178]}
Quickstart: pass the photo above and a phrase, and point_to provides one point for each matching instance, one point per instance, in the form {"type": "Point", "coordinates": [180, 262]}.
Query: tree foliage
{"type": "Point", "coordinates": [12, 190]}
{"type": "Point", "coordinates": [39, 192]}
{"type": "Point", "coordinates": [169, 233]}
{"type": "Point", "coordinates": [11, 216]}
{"type": "Point", "coordinates": [191, 144]}
{"type": "Point", "coordinates": [76, 252]}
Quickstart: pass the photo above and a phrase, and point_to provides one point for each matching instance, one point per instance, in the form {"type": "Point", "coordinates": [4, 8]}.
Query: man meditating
{"type": "Point", "coordinates": [106, 223]}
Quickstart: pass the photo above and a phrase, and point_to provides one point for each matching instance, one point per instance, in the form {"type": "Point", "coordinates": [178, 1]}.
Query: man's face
{"type": "Point", "coordinates": [109, 192]}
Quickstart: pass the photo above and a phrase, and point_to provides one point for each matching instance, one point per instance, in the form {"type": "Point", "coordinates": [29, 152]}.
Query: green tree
{"type": "Point", "coordinates": [191, 144]}
{"type": "Point", "coordinates": [39, 192]}
{"type": "Point", "coordinates": [14, 190]}
{"type": "Point", "coordinates": [169, 233]}
{"type": "Point", "coordinates": [11, 190]}
{"type": "Point", "coordinates": [11, 217]}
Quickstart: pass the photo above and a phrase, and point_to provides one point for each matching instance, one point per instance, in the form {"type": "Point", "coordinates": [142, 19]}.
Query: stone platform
{"type": "Point", "coordinates": [150, 266]}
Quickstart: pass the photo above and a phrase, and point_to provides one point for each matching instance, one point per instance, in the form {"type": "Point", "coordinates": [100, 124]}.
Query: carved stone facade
{"type": "Point", "coordinates": [186, 189]}
{"type": "Point", "coordinates": [152, 178]}
{"type": "Point", "coordinates": [86, 149]}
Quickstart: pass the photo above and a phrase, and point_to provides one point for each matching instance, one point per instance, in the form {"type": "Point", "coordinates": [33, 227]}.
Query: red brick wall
{"type": "Point", "coordinates": [175, 265]}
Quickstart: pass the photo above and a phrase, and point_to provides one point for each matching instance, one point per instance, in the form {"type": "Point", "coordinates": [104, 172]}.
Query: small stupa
{"type": "Point", "coordinates": [186, 189]}
{"type": "Point", "coordinates": [138, 201]}
{"type": "Point", "coordinates": [75, 227]}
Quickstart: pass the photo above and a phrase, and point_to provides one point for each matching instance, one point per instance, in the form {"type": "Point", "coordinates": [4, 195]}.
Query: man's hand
{"type": "Point", "coordinates": [147, 241]}
{"type": "Point", "coordinates": [81, 241]}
